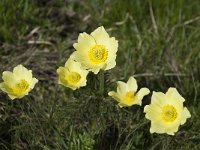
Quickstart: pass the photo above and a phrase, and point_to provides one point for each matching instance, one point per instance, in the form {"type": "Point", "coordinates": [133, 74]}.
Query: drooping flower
{"type": "Point", "coordinates": [96, 51]}
{"type": "Point", "coordinates": [166, 112]}
{"type": "Point", "coordinates": [127, 94]}
{"type": "Point", "coordinates": [72, 75]}
{"type": "Point", "coordinates": [18, 83]}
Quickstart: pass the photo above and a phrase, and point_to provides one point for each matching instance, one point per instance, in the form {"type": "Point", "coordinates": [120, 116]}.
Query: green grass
{"type": "Point", "coordinates": [158, 43]}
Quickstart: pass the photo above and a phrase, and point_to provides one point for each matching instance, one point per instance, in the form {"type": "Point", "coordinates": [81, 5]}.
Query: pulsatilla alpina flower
{"type": "Point", "coordinates": [166, 112]}
{"type": "Point", "coordinates": [96, 51]}
{"type": "Point", "coordinates": [127, 94]}
{"type": "Point", "coordinates": [72, 75]}
{"type": "Point", "coordinates": [18, 83]}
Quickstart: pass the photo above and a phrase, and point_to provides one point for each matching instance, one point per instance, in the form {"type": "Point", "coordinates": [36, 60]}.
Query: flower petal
{"type": "Point", "coordinates": [5, 88]}
{"type": "Point", "coordinates": [114, 95]}
{"type": "Point", "coordinates": [132, 85]}
{"type": "Point", "coordinates": [85, 42]}
{"type": "Point", "coordinates": [157, 127]}
{"type": "Point", "coordinates": [111, 63]}
{"type": "Point", "coordinates": [152, 112]}
{"type": "Point", "coordinates": [142, 92]}
{"type": "Point", "coordinates": [83, 59]}
{"type": "Point", "coordinates": [111, 44]}
{"type": "Point", "coordinates": [158, 98]}
{"type": "Point", "coordinates": [121, 88]}
{"type": "Point", "coordinates": [139, 96]}
{"type": "Point", "coordinates": [173, 94]}
{"type": "Point", "coordinates": [185, 115]}
{"type": "Point", "coordinates": [9, 78]}
{"type": "Point", "coordinates": [100, 35]}
{"type": "Point", "coordinates": [33, 82]}
{"type": "Point", "coordinates": [22, 73]}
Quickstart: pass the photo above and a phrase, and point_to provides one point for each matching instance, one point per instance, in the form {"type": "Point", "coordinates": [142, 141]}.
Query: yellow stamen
{"type": "Point", "coordinates": [21, 87]}
{"type": "Point", "coordinates": [129, 97]}
{"type": "Point", "coordinates": [169, 113]}
{"type": "Point", "coordinates": [98, 54]}
{"type": "Point", "coordinates": [73, 78]}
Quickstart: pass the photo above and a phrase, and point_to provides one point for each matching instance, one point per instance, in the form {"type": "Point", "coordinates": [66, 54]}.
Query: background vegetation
{"type": "Point", "coordinates": [158, 43]}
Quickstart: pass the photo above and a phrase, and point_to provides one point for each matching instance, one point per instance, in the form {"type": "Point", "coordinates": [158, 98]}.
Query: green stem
{"type": "Point", "coordinates": [101, 85]}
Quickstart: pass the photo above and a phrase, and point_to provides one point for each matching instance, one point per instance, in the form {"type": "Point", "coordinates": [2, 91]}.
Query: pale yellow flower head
{"type": "Point", "coordinates": [166, 112]}
{"type": "Point", "coordinates": [96, 51]}
{"type": "Point", "coordinates": [127, 94]}
{"type": "Point", "coordinates": [18, 83]}
{"type": "Point", "coordinates": [72, 75]}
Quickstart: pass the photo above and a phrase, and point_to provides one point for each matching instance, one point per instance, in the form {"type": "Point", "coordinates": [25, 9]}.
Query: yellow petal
{"type": "Point", "coordinates": [175, 99]}
{"type": "Point", "coordinates": [172, 128]}
{"type": "Point", "coordinates": [100, 35]}
{"type": "Point", "coordinates": [62, 71]}
{"type": "Point", "coordinates": [74, 66]}
{"type": "Point", "coordinates": [132, 86]}
{"type": "Point", "coordinates": [160, 127]}
{"type": "Point", "coordinates": [83, 59]}
{"type": "Point", "coordinates": [20, 72]}
{"type": "Point", "coordinates": [9, 78]}
{"type": "Point", "coordinates": [111, 63]}
{"type": "Point", "coordinates": [121, 88]}
{"type": "Point", "coordinates": [172, 94]}
{"type": "Point", "coordinates": [114, 95]}
{"type": "Point", "coordinates": [33, 82]}
{"type": "Point", "coordinates": [5, 88]}
{"type": "Point", "coordinates": [111, 44]}
{"type": "Point", "coordinates": [71, 64]}
{"type": "Point", "coordinates": [185, 115]}
{"type": "Point", "coordinates": [158, 98]}
{"type": "Point", "coordinates": [85, 42]}
{"type": "Point", "coordinates": [142, 92]}
{"type": "Point", "coordinates": [152, 112]}
{"type": "Point", "coordinates": [157, 127]}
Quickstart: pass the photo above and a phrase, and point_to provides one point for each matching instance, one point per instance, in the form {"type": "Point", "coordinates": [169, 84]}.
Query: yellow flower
{"type": "Point", "coordinates": [127, 94]}
{"type": "Point", "coordinates": [18, 83]}
{"type": "Point", "coordinates": [72, 75]}
{"type": "Point", "coordinates": [166, 112]}
{"type": "Point", "coordinates": [96, 51]}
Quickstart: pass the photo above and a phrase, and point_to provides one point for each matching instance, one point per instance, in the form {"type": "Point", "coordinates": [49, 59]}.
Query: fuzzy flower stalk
{"type": "Point", "coordinates": [96, 51]}
{"type": "Point", "coordinates": [127, 94]}
{"type": "Point", "coordinates": [18, 83]}
{"type": "Point", "coordinates": [72, 75]}
{"type": "Point", "coordinates": [166, 112]}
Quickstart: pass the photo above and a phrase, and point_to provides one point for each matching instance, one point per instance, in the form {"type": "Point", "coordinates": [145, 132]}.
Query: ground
{"type": "Point", "coordinates": [158, 44]}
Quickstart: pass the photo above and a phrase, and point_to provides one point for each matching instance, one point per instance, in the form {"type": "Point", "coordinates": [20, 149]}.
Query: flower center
{"type": "Point", "coordinates": [169, 113]}
{"type": "Point", "coordinates": [73, 78]}
{"type": "Point", "coordinates": [129, 97]}
{"type": "Point", "coordinates": [98, 54]}
{"type": "Point", "coordinates": [21, 87]}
